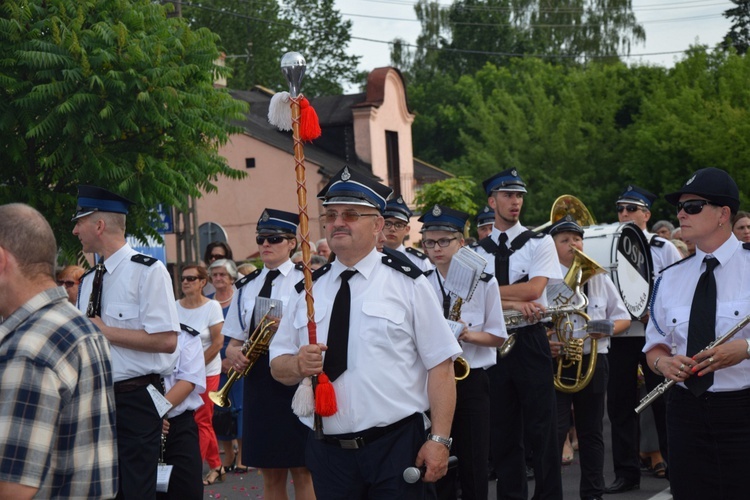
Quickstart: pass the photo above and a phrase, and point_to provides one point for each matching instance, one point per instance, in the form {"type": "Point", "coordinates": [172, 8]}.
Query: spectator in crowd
{"type": "Point", "coordinates": [323, 249]}
{"type": "Point", "coordinates": [245, 268]}
{"type": "Point", "coordinates": [70, 278]}
{"type": "Point", "coordinates": [677, 235]}
{"type": "Point", "coordinates": [663, 228]}
{"type": "Point", "coordinates": [741, 226]}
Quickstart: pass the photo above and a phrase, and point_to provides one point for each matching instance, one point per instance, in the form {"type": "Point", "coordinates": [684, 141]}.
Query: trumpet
{"type": "Point", "coordinates": [668, 382]}
{"type": "Point", "coordinates": [461, 367]}
{"type": "Point", "coordinates": [254, 347]}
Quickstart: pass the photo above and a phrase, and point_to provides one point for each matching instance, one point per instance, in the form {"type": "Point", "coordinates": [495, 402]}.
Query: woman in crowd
{"type": "Point", "coordinates": [228, 421]}
{"type": "Point", "coordinates": [70, 278]}
{"type": "Point", "coordinates": [741, 226]}
{"type": "Point", "coordinates": [204, 315]}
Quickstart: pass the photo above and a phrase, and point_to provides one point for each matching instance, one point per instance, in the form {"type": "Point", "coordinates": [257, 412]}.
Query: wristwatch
{"type": "Point", "coordinates": [447, 442]}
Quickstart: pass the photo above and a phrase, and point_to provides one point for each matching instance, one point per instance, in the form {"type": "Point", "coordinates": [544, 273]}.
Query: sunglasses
{"type": "Point", "coordinates": [346, 216]}
{"type": "Point", "coordinates": [389, 224]}
{"type": "Point", "coordinates": [629, 208]}
{"type": "Point", "coordinates": [190, 278]}
{"type": "Point", "coordinates": [215, 256]}
{"type": "Point", "coordinates": [273, 240]}
{"type": "Point", "coordinates": [66, 283]}
{"type": "Point", "coordinates": [442, 242]}
{"type": "Point", "coordinates": [693, 207]}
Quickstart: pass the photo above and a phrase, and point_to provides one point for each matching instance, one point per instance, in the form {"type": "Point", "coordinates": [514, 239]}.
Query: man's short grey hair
{"type": "Point", "coordinates": [228, 265]}
{"type": "Point", "coordinates": [662, 224]}
{"type": "Point", "coordinates": [25, 233]}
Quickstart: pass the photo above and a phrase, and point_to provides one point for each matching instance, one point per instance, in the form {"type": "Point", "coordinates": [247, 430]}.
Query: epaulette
{"type": "Point", "coordinates": [678, 262]}
{"type": "Point", "coordinates": [486, 277]}
{"type": "Point", "coordinates": [474, 245]}
{"type": "Point", "coordinates": [416, 253]}
{"type": "Point", "coordinates": [315, 275]}
{"type": "Point", "coordinates": [299, 267]}
{"type": "Point", "coordinates": [192, 331]}
{"type": "Point", "coordinates": [428, 272]}
{"type": "Point", "coordinates": [746, 246]}
{"type": "Point", "coordinates": [247, 279]}
{"type": "Point", "coordinates": [143, 259]}
{"type": "Point", "coordinates": [657, 242]}
{"type": "Point", "coordinates": [411, 271]}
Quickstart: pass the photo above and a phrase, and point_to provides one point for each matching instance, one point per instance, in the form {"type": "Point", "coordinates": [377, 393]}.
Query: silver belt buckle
{"type": "Point", "coordinates": [352, 444]}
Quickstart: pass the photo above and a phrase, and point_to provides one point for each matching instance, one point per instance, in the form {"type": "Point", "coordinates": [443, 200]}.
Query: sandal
{"type": "Point", "coordinates": [214, 476]}
{"type": "Point", "coordinates": [241, 469]}
{"type": "Point", "coordinates": [660, 470]}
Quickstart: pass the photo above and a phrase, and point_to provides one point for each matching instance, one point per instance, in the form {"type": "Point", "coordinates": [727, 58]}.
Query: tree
{"type": "Point", "coordinates": [456, 193]}
{"type": "Point", "coordinates": [739, 33]}
{"type": "Point", "coordinates": [112, 93]}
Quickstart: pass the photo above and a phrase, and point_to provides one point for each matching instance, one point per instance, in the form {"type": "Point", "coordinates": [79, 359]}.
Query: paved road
{"type": "Point", "coordinates": [250, 485]}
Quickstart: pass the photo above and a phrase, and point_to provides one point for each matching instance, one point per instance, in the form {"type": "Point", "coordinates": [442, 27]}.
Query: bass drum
{"type": "Point", "coordinates": [623, 251]}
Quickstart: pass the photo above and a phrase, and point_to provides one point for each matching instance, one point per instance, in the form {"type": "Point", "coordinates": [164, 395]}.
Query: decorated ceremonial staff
{"type": "Point", "coordinates": [303, 122]}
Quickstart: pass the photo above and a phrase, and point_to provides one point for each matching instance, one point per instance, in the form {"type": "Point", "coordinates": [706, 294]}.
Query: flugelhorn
{"type": "Point", "coordinates": [461, 367]}
{"type": "Point", "coordinates": [668, 382]}
{"type": "Point", "coordinates": [568, 204]}
{"type": "Point", "coordinates": [254, 347]}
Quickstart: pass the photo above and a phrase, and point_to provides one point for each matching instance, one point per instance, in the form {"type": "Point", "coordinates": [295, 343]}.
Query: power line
{"type": "Point", "coordinates": [663, 6]}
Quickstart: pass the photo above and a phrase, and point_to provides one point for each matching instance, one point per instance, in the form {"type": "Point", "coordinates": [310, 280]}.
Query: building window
{"type": "Point", "coordinates": [394, 166]}
{"type": "Point", "coordinates": [249, 162]}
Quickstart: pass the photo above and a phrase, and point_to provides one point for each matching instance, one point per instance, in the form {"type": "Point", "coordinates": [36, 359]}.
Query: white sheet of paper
{"type": "Point", "coordinates": [160, 402]}
{"type": "Point", "coordinates": [456, 327]}
{"type": "Point", "coordinates": [464, 273]}
{"type": "Point", "coordinates": [163, 472]}
{"type": "Point", "coordinates": [264, 305]}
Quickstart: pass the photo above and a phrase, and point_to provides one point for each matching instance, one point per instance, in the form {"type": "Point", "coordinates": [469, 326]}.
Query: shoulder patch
{"type": "Point", "coordinates": [428, 272]}
{"type": "Point", "coordinates": [413, 251]}
{"type": "Point", "coordinates": [247, 279]}
{"type": "Point", "coordinates": [300, 286]}
{"type": "Point", "coordinates": [409, 270]}
{"type": "Point", "coordinates": [657, 242]}
{"type": "Point", "coordinates": [143, 259]}
{"type": "Point", "coordinates": [746, 246]}
{"type": "Point", "coordinates": [474, 245]}
{"type": "Point", "coordinates": [677, 263]}
{"type": "Point", "coordinates": [299, 267]}
{"type": "Point", "coordinates": [192, 331]}
{"type": "Point", "coordinates": [486, 277]}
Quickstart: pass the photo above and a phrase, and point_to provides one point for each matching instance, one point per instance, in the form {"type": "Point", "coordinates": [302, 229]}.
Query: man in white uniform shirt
{"type": "Point", "coordinates": [139, 318]}
{"type": "Point", "coordinates": [521, 389]}
{"type": "Point", "coordinates": [389, 362]}
{"type": "Point", "coordinates": [396, 229]}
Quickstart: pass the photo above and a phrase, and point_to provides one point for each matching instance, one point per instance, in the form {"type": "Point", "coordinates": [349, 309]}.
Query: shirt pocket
{"type": "Point", "coordinates": [381, 321]}
{"type": "Point", "coordinates": [300, 322]}
{"type": "Point", "coordinates": [728, 314]}
{"type": "Point", "coordinates": [676, 319]}
{"type": "Point", "coordinates": [122, 312]}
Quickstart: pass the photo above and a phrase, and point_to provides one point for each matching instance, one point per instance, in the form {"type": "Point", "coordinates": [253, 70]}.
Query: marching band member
{"type": "Point", "coordinates": [522, 392]}
{"type": "Point", "coordinates": [604, 302]}
{"type": "Point", "coordinates": [484, 331]}
{"type": "Point", "coordinates": [388, 352]}
{"type": "Point", "coordinates": [485, 220]}
{"type": "Point", "coordinates": [697, 301]}
{"type": "Point", "coordinates": [396, 230]}
{"type": "Point", "coordinates": [634, 205]}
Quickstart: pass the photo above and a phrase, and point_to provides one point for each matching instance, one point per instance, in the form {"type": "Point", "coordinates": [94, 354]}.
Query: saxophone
{"type": "Point", "coordinates": [461, 367]}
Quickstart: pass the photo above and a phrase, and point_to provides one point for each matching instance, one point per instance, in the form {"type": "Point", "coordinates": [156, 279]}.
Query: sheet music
{"type": "Point", "coordinates": [559, 294]}
{"type": "Point", "coordinates": [456, 327]}
{"type": "Point", "coordinates": [263, 305]}
{"type": "Point", "coordinates": [464, 273]}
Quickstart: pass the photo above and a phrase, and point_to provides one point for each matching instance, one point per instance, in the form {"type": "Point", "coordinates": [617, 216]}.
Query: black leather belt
{"type": "Point", "coordinates": [357, 440]}
{"type": "Point", "coordinates": [134, 383]}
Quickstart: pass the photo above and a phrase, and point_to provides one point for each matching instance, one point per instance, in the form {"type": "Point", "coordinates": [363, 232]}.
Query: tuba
{"type": "Point", "coordinates": [461, 367]}
{"type": "Point", "coordinates": [255, 346]}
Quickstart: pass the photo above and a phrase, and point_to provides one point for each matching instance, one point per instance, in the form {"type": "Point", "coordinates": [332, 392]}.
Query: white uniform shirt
{"type": "Point", "coordinates": [604, 303]}
{"type": "Point", "coordinates": [136, 297]}
{"type": "Point", "coordinates": [239, 316]}
{"type": "Point", "coordinates": [483, 313]}
{"type": "Point", "coordinates": [422, 264]}
{"type": "Point", "coordinates": [190, 368]}
{"type": "Point", "coordinates": [662, 257]}
{"type": "Point", "coordinates": [202, 319]}
{"type": "Point", "coordinates": [673, 297]}
{"type": "Point", "coordinates": [537, 257]}
{"type": "Point", "coordinates": [397, 333]}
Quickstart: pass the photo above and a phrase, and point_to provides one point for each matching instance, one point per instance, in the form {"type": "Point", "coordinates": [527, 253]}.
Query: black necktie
{"type": "Point", "coordinates": [338, 330]}
{"type": "Point", "coordinates": [265, 291]}
{"type": "Point", "coordinates": [502, 260]}
{"type": "Point", "coordinates": [702, 326]}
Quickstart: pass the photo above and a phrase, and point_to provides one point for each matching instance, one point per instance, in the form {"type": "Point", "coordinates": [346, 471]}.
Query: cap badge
{"type": "Point", "coordinates": [486, 210]}
{"type": "Point", "coordinates": [400, 200]}
{"type": "Point", "coordinates": [345, 175]}
{"type": "Point", "coordinates": [436, 211]}
{"type": "Point", "coordinates": [630, 188]}
{"type": "Point", "coordinates": [265, 216]}
{"type": "Point", "coordinates": [690, 180]}
{"type": "Point", "coordinates": [514, 173]}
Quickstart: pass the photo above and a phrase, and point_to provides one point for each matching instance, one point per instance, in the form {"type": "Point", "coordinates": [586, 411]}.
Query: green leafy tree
{"type": "Point", "coordinates": [111, 93]}
{"type": "Point", "coordinates": [739, 33]}
{"type": "Point", "coordinates": [457, 192]}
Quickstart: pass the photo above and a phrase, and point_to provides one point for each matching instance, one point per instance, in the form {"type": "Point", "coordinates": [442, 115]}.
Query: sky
{"type": "Point", "coordinates": [671, 26]}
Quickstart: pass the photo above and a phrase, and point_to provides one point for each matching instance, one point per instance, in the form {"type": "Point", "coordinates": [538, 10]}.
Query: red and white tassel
{"type": "Point", "coordinates": [303, 402]}
{"type": "Point", "coordinates": [280, 112]}
{"type": "Point", "coordinates": [325, 397]}
{"type": "Point", "coordinates": [309, 126]}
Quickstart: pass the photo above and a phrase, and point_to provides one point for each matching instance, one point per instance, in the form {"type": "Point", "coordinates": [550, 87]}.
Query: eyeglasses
{"type": "Point", "coordinates": [215, 256]}
{"type": "Point", "coordinates": [273, 240]}
{"type": "Point", "coordinates": [389, 224]}
{"type": "Point", "coordinates": [442, 242]}
{"type": "Point", "coordinates": [693, 207]}
{"type": "Point", "coordinates": [346, 216]}
{"type": "Point", "coordinates": [629, 208]}
{"type": "Point", "coordinates": [189, 278]}
{"type": "Point", "coordinates": [66, 283]}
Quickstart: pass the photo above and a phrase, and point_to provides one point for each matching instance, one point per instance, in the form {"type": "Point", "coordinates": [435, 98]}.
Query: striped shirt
{"type": "Point", "coordinates": [57, 417]}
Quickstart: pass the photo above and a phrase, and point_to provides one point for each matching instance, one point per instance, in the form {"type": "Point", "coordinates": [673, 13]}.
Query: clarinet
{"type": "Point", "coordinates": [664, 386]}
{"type": "Point", "coordinates": [95, 299]}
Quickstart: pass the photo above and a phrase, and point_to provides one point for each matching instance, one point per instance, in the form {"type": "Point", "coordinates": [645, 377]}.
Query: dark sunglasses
{"type": "Point", "coordinates": [215, 256]}
{"type": "Point", "coordinates": [273, 240]}
{"type": "Point", "coordinates": [66, 283]}
{"type": "Point", "coordinates": [190, 278]}
{"type": "Point", "coordinates": [629, 208]}
{"type": "Point", "coordinates": [693, 207]}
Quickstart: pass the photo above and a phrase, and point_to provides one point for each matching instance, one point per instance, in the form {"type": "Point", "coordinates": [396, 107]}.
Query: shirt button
{"type": "Point", "coordinates": [120, 315]}
{"type": "Point", "coordinates": [736, 313]}
{"type": "Point", "coordinates": [674, 320]}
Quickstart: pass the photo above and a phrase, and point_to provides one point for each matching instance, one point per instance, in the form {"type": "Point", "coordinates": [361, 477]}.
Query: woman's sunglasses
{"type": "Point", "coordinates": [273, 240]}
{"type": "Point", "coordinates": [692, 207]}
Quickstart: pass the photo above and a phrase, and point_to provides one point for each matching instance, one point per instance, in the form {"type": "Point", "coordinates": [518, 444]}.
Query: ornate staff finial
{"type": "Point", "coordinates": [293, 66]}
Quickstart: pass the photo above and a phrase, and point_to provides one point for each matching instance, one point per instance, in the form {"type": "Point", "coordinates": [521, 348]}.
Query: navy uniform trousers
{"type": "Point", "coordinates": [182, 451]}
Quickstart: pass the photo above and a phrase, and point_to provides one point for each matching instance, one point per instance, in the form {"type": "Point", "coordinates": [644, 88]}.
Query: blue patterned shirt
{"type": "Point", "coordinates": [57, 417]}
